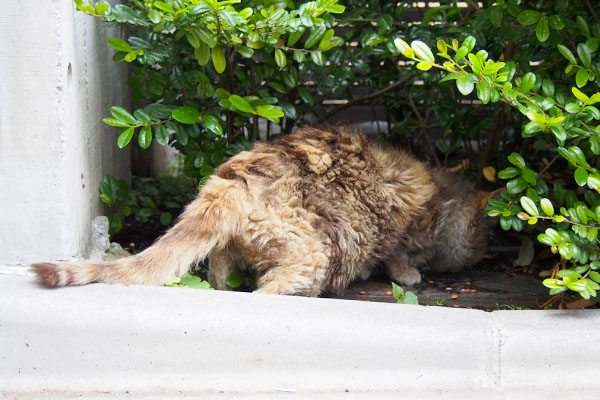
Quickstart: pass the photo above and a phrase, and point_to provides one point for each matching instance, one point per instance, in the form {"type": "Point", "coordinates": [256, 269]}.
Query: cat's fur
{"type": "Point", "coordinates": [309, 213]}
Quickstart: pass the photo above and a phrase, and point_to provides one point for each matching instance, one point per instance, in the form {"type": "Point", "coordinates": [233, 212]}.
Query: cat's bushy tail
{"type": "Point", "coordinates": [208, 222]}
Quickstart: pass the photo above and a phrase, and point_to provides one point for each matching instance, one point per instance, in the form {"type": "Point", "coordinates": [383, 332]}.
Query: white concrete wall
{"type": "Point", "coordinates": [57, 82]}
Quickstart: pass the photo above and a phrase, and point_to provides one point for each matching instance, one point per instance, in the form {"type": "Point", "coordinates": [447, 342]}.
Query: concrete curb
{"type": "Point", "coordinates": [147, 342]}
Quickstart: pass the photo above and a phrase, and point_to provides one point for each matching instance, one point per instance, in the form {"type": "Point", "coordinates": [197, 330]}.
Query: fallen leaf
{"type": "Point", "coordinates": [581, 303]}
{"type": "Point", "coordinates": [489, 173]}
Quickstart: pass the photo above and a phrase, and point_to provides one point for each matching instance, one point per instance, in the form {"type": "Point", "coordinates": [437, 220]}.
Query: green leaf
{"type": "Point", "coordinates": [164, 7]}
{"type": "Point", "coordinates": [469, 43]}
{"type": "Point", "coordinates": [166, 218]}
{"type": "Point", "coordinates": [568, 274]}
{"type": "Point", "coordinates": [280, 58]}
{"type": "Point", "coordinates": [410, 298]}
{"type": "Point", "coordinates": [424, 66]}
{"type": "Point", "coordinates": [556, 22]}
{"type": "Point", "coordinates": [218, 58]}
{"type": "Point", "coordinates": [548, 87]}
{"type": "Point", "coordinates": [581, 77]}
{"type": "Point", "coordinates": [465, 84]}
{"type": "Point", "coordinates": [123, 115]}
{"type": "Point", "coordinates": [484, 91]}
{"type": "Point", "coordinates": [529, 176]}
{"type": "Point", "coordinates": [102, 8]}
{"type": "Point", "coordinates": [119, 44]}
{"type": "Point", "coordinates": [397, 292]}
{"type": "Point", "coordinates": [125, 137]}
{"type": "Point", "coordinates": [529, 206]}
{"type": "Point", "coordinates": [317, 57]}
{"type": "Point", "coordinates": [269, 112]}
{"type": "Point", "coordinates": [461, 53]}
{"type": "Point", "coordinates": [154, 16]}
{"type": "Point", "coordinates": [508, 173]}
{"type": "Point", "coordinates": [422, 51]}
{"type": "Point", "coordinates": [161, 135]}
{"type": "Point", "coordinates": [145, 137]}
{"type": "Point", "coordinates": [578, 156]}
{"type": "Point", "coordinates": [506, 223]}
{"type": "Point", "coordinates": [245, 52]}
{"type": "Point", "coordinates": [202, 54]}
{"type": "Point", "coordinates": [116, 122]}
{"type": "Point", "coordinates": [496, 14]}
{"type": "Point", "coordinates": [542, 30]}
{"type": "Point", "coordinates": [516, 159]}
{"type": "Point", "coordinates": [547, 207]}
{"type": "Point", "coordinates": [553, 283]}
{"type": "Point", "coordinates": [559, 132]}
{"type": "Point", "coordinates": [402, 46]}
{"type": "Point", "coordinates": [235, 279]}
{"type": "Point", "coordinates": [594, 182]}
{"type": "Point", "coordinates": [315, 36]}
{"type": "Point", "coordinates": [186, 115]}
{"type": "Point", "coordinates": [585, 54]}
{"type": "Point", "coordinates": [572, 108]}
{"type": "Point", "coordinates": [241, 104]}
{"type": "Point", "coordinates": [532, 128]}
{"type": "Point", "coordinates": [528, 81]}
{"type": "Point", "coordinates": [516, 186]}
{"type": "Point", "coordinates": [567, 54]}
{"type": "Point", "coordinates": [565, 250]}
{"type": "Point", "coordinates": [583, 26]}
{"type": "Point", "coordinates": [581, 176]}
{"type": "Point", "coordinates": [529, 17]}
{"type": "Point", "coordinates": [295, 36]}
{"type": "Point", "coordinates": [194, 282]}
{"type": "Point", "coordinates": [115, 222]}
{"type": "Point", "coordinates": [385, 22]}
{"type": "Point", "coordinates": [212, 124]}
{"type": "Point", "coordinates": [325, 43]}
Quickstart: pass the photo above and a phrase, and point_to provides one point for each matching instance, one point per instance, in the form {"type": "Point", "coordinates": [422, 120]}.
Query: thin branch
{"type": "Point", "coordinates": [422, 123]}
{"type": "Point", "coordinates": [489, 145]}
{"type": "Point", "coordinates": [474, 6]}
{"type": "Point", "coordinates": [589, 6]}
{"type": "Point", "coordinates": [361, 99]}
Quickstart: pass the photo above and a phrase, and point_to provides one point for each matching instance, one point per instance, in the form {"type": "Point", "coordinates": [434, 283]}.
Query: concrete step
{"type": "Point", "coordinates": [146, 342]}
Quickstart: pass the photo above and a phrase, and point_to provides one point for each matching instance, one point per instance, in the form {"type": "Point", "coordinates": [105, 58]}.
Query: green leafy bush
{"type": "Point", "coordinates": [207, 70]}
{"type": "Point", "coordinates": [558, 118]}
{"type": "Point", "coordinates": [510, 84]}
{"type": "Point", "coordinates": [153, 203]}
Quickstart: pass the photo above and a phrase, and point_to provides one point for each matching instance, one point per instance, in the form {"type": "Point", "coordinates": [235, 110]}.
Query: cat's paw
{"type": "Point", "coordinates": [407, 276]}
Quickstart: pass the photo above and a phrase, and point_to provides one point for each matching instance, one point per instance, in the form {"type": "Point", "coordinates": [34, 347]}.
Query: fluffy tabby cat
{"type": "Point", "coordinates": [309, 213]}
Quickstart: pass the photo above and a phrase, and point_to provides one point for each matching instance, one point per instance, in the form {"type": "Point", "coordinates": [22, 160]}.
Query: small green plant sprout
{"type": "Point", "coordinates": [188, 281]}
{"type": "Point", "coordinates": [562, 119]}
{"type": "Point", "coordinates": [403, 297]}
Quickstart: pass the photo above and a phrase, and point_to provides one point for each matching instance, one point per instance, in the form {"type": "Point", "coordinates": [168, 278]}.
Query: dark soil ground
{"type": "Point", "coordinates": [494, 284]}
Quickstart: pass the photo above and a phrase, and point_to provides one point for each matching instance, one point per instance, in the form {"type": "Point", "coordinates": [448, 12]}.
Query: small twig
{"type": "Point", "coordinates": [589, 6]}
{"type": "Point", "coordinates": [550, 300]}
{"type": "Point", "coordinates": [255, 116]}
{"type": "Point", "coordinates": [474, 6]}
{"type": "Point", "coordinates": [489, 145]}
{"type": "Point", "coordinates": [360, 99]}
{"type": "Point", "coordinates": [556, 157]}
{"type": "Point", "coordinates": [423, 129]}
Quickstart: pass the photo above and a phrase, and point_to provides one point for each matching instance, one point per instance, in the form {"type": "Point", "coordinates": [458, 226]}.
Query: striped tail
{"type": "Point", "coordinates": [207, 223]}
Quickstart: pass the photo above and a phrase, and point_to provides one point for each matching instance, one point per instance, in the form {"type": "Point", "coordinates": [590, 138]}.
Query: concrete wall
{"type": "Point", "coordinates": [57, 81]}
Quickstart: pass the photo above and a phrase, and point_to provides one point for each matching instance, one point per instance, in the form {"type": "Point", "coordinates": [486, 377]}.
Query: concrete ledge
{"type": "Point", "coordinates": [149, 342]}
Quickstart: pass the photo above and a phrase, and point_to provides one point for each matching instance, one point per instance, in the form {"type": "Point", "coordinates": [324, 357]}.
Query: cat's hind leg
{"type": "Point", "coordinates": [401, 270]}
{"type": "Point", "coordinates": [221, 265]}
{"type": "Point", "coordinates": [296, 264]}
